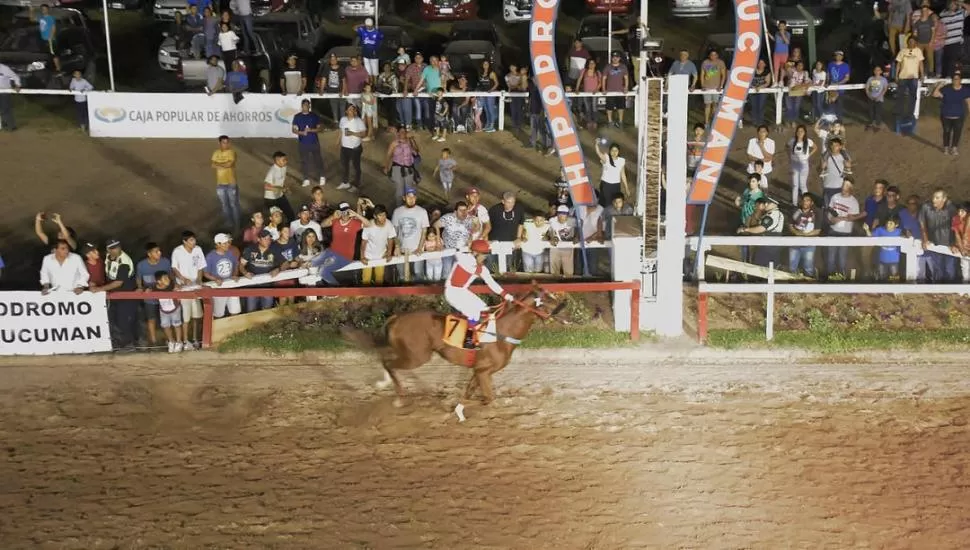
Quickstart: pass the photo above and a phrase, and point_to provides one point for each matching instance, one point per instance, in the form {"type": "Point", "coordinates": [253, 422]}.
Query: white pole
{"type": "Point", "coordinates": [107, 44]}
{"type": "Point", "coordinates": [377, 11]}
{"type": "Point", "coordinates": [770, 317]}
{"type": "Point", "coordinates": [609, 36]}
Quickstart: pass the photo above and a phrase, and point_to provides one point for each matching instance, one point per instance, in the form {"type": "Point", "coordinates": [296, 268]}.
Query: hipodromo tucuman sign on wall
{"type": "Point", "coordinates": [190, 115]}
{"type": "Point", "coordinates": [58, 323]}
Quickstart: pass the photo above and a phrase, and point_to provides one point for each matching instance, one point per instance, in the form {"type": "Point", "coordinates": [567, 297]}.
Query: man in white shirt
{"type": "Point", "coordinates": [411, 223]}
{"type": "Point", "coordinates": [63, 271]}
{"type": "Point", "coordinates": [562, 235]}
{"type": "Point", "coordinates": [350, 139]}
{"type": "Point", "coordinates": [376, 243]}
{"type": "Point", "coordinates": [761, 147]}
{"type": "Point", "coordinates": [188, 264]}
{"type": "Point", "coordinates": [274, 186]}
{"type": "Point", "coordinates": [477, 211]}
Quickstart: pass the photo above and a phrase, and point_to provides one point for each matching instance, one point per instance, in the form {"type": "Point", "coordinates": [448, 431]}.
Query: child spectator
{"type": "Point", "coordinates": [961, 230]}
{"type": "Point", "coordinates": [432, 268]}
{"type": "Point", "coordinates": [876, 88]}
{"type": "Point", "coordinates": [888, 269]}
{"type": "Point", "coordinates": [170, 315]}
{"type": "Point", "coordinates": [227, 43]}
{"type": "Point", "coordinates": [368, 110]}
{"type": "Point", "coordinates": [759, 170]}
{"type": "Point", "coordinates": [82, 86]}
{"type": "Point", "coordinates": [444, 67]}
{"type": "Point", "coordinates": [820, 79]}
{"type": "Point", "coordinates": [441, 113]}
{"type": "Point", "coordinates": [274, 186]}
{"type": "Point", "coordinates": [145, 280]}
{"type": "Point", "coordinates": [402, 57]}
{"type": "Point", "coordinates": [446, 170]}
{"type": "Point", "coordinates": [534, 236]}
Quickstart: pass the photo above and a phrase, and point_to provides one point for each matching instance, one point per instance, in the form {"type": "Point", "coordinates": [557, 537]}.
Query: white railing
{"type": "Point", "coordinates": [909, 247]}
{"type": "Point", "coordinates": [771, 288]}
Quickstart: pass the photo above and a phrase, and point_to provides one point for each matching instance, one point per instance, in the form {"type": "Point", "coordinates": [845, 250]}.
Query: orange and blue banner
{"type": "Point", "coordinates": [545, 68]}
{"type": "Point", "coordinates": [730, 109]}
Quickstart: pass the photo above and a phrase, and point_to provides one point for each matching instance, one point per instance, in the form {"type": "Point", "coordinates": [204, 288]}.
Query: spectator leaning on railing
{"type": "Point", "coordinates": [145, 272]}
{"type": "Point", "coordinates": [805, 222]}
{"type": "Point", "coordinates": [63, 270]}
{"type": "Point", "coordinates": [936, 225]}
{"type": "Point", "coordinates": [188, 263]}
{"type": "Point", "coordinates": [222, 265]}
{"type": "Point", "coordinates": [122, 314]}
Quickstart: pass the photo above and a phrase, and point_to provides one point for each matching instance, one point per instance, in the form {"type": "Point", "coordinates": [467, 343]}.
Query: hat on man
{"type": "Point", "coordinates": [471, 191]}
{"type": "Point", "coordinates": [274, 209]}
{"type": "Point", "coordinates": [344, 206]}
{"type": "Point", "coordinates": [368, 22]}
{"type": "Point", "coordinates": [401, 61]}
{"type": "Point", "coordinates": [263, 234]}
{"type": "Point", "coordinates": [222, 238]}
{"type": "Point", "coordinates": [113, 243]}
{"type": "Point", "coordinates": [305, 208]}
{"type": "Point", "coordinates": [87, 247]}
{"type": "Point", "coordinates": [839, 52]}
{"type": "Point", "coordinates": [410, 191]}
{"type": "Point", "coordinates": [562, 209]}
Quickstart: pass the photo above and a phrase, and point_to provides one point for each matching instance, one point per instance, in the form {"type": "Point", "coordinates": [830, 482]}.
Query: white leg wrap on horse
{"type": "Point", "coordinates": [385, 383]}
{"type": "Point", "coordinates": [460, 412]}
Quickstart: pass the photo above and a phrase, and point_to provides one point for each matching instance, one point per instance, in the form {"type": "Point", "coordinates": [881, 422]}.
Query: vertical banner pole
{"type": "Point", "coordinates": [107, 45]}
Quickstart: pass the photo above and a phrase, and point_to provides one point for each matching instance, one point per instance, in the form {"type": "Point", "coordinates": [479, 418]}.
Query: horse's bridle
{"type": "Point", "coordinates": [536, 309]}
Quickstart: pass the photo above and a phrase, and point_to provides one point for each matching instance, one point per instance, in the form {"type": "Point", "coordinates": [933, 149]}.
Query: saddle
{"type": "Point", "coordinates": [458, 334]}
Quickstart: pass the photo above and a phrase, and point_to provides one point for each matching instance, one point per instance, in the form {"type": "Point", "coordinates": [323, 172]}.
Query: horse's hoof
{"type": "Point", "coordinates": [460, 412]}
{"type": "Point", "coordinates": [382, 384]}
{"type": "Point", "coordinates": [398, 402]}
{"type": "Point", "coordinates": [486, 402]}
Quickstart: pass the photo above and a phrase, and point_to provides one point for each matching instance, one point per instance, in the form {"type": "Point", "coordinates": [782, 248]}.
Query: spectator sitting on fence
{"type": "Point", "coordinates": [237, 81]}
{"type": "Point", "coordinates": [533, 241]}
{"type": "Point", "coordinates": [64, 233]}
{"type": "Point", "coordinates": [188, 264]}
{"type": "Point", "coordinates": [805, 222]}
{"type": "Point", "coordinates": [221, 266]}
{"type": "Point", "coordinates": [95, 266]}
{"type": "Point", "coordinates": [889, 256]}
{"type": "Point", "coordinates": [63, 270]}
{"type": "Point", "coordinates": [145, 272]}
{"type": "Point", "coordinates": [215, 76]}
{"type": "Point", "coordinates": [263, 258]}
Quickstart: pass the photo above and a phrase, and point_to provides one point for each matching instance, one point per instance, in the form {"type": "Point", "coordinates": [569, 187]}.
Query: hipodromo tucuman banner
{"type": "Point", "coordinates": [126, 115]}
{"type": "Point", "coordinates": [32, 323]}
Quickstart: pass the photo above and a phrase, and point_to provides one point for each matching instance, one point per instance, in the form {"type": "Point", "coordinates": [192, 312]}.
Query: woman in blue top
{"type": "Point", "coordinates": [953, 111]}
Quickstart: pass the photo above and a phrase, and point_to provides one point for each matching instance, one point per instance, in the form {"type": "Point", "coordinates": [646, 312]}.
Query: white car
{"type": "Point", "coordinates": [168, 54]}
{"type": "Point", "coordinates": [164, 10]}
{"type": "Point", "coordinates": [516, 11]}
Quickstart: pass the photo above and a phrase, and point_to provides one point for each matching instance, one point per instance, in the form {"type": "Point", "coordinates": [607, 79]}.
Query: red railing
{"type": "Point", "coordinates": [207, 294]}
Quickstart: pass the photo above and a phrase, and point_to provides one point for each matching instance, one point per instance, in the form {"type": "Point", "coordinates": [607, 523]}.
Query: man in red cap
{"type": "Point", "coordinates": [467, 268]}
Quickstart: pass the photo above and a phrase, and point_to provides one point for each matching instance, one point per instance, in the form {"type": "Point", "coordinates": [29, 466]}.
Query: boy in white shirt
{"type": "Point", "coordinates": [79, 84]}
{"type": "Point", "coordinates": [188, 263]}
{"type": "Point", "coordinates": [274, 186]}
{"type": "Point", "coordinates": [376, 243]}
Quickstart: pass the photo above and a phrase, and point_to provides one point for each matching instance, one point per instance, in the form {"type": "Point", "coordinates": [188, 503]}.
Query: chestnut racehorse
{"type": "Point", "coordinates": [410, 340]}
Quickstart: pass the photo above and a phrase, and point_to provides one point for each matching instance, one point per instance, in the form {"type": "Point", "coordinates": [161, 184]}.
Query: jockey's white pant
{"type": "Point", "coordinates": [466, 302]}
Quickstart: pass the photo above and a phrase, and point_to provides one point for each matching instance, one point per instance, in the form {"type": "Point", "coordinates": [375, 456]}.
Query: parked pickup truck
{"type": "Point", "coordinates": [263, 66]}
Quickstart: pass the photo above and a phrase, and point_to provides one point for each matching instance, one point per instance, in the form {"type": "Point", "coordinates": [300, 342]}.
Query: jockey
{"type": "Point", "coordinates": [468, 267]}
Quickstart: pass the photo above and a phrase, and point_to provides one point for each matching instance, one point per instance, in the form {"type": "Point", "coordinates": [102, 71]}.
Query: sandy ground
{"type": "Point", "coordinates": [645, 448]}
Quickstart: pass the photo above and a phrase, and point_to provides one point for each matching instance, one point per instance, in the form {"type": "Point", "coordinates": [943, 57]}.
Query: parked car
{"type": "Point", "coordinates": [604, 6]}
{"type": "Point", "coordinates": [787, 11]}
{"type": "Point", "coordinates": [296, 28]}
{"type": "Point", "coordinates": [516, 11]}
{"type": "Point", "coordinates": [601, 48]}
{"type": "Point", "coordinates": [263, 67]}
{"type": "Point", "coordinates": [722, 42]}
{"type": "Point", "coordinates": [599, 26]}
{"type": "Point", "coordinates": [363, 8]}
{"type": "Point", "coordinates": [27, 55]}
{"type": "Point", "coordinates": [466, 57]}
{"type": "Point", "coordinates": [164, 10]}
{"type": "Point", "coordinates": [343, 53]}
{"type": "Point", "coordinates": [39, 3]}
{"type": "Point", "coordinates": [693, 8]}
{"type": "Point", "coordinates": [131, 5]}
{"type": "Point", "coordinates": [474, 30]}
{"type": "Point", "coordinates": [394, 37]}
{"type": "Point", "coordinates": [448, 10]}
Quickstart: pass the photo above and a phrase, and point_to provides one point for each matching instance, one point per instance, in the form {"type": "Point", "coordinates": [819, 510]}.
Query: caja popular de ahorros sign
{"type": "Point", "coordinates": [747, 49]}
{"type": "Point", "coordinates": [542, 42]}
{"type": "Point", "coordinates": [191, 115]}
{"type": "Point", "coordinates": [32, 323]}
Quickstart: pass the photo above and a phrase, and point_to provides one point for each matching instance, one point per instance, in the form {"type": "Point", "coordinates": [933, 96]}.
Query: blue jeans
{"type": "Point", "coordinates": [256, 303]}
{"type": "Point", "coordinates": [940, 268]}
{"type": "Point", "coordinates": [416, 108]}
{"type": "Point", "coordinates": [446, 264]}
{"type": "Point", "coordinates": [802, 256]}
{"type": "Point", "coordinates": [793, 107]}
{"type": "Point", "coordinates": [818, 104]}
{"type": "Point", "coordinates": [837, 257]}
{"type": "Point", "coordinates": [540, 132]}
{"type": "Point", "coordinates": [490, 104]}
{"type": "Point", "coordinates": [229, 201]}
{"type": "Point", "coordinates": [248, 36]}
{"type": "Point", "coordinates": [404, 115]}
{"type": "Point", "coordinates": [908, 88]}
{"type": "Point", "coordinates": [758, 102]}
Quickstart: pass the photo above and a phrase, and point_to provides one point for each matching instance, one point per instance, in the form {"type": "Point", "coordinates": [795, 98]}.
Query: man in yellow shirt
{"type": "Point", "coordinates": [909, 73]}
{"type": "Point", "coordinates": [224, 161]}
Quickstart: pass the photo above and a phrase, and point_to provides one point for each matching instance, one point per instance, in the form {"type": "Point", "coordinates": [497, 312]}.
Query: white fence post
{"type": "Point", "coordinates": [770, 314]}
{"type": "Point", "coordinates": [779, 103]}
{"type": "Point", "coordinates": [912, 254]}
{"type": "Point", "coordinates": [501, 111]}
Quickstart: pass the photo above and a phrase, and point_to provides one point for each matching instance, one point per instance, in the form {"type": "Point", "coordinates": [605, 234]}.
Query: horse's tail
{"type": "Point", "coordinates": [368, 341]}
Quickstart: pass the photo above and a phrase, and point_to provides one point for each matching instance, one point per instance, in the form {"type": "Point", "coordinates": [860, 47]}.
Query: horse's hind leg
{"type": "Point", "coordinates": [484, 378]}
{"type": "Point", "coordinates": [470, 388]}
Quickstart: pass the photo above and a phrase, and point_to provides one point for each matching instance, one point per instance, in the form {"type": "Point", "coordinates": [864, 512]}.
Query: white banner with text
{"type": "Point", "coordinates": [32, 323]}
{"type": "Point", "coordinates": [191, 115]}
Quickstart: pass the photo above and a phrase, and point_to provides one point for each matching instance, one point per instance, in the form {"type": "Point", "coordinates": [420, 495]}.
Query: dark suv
{"type": "Point", "coordinates": [27, 55]}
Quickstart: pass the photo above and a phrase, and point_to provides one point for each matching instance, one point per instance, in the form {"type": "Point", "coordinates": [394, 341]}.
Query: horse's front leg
{"type": "Point", "coordinates": [470, 387]}
{"type": "Point", "coordinates": [484, 378]}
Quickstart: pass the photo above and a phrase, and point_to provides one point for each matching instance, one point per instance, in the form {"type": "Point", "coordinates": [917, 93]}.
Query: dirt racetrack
{"type": "Point", "coordinates": [635, 449]}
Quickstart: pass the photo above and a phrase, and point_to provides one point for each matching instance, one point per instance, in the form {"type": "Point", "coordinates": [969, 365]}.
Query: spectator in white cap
{"type": "Point", "coordinates": [370, 41]}
{"type": "Point", "coordinates": [304, 223]}
{"type": "Point", "coordinates": [562, 235]}
{"type": "Point", "coordinates": [222, 265]}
